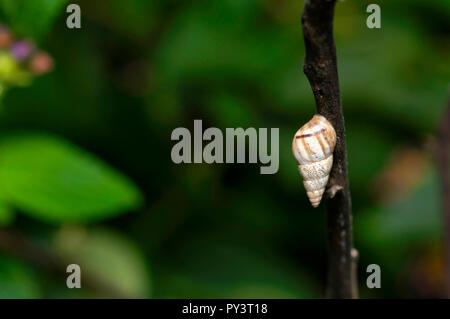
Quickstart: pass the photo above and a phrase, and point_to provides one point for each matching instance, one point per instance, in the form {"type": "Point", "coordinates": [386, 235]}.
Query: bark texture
{"type": "Point", "coordinates": [320, 67]}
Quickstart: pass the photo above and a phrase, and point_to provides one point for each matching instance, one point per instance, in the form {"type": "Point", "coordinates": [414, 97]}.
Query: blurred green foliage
{"type": "Point", "coordinates": [32, 18]}
{"type": "Point", "coordinates": [50, 179]}
{"type": "Point", "coordinates": [138, 69]}
{"type": "Point", "coordinates": [107, 256]}
{"type": "Point", "coordinates": [17, 280]}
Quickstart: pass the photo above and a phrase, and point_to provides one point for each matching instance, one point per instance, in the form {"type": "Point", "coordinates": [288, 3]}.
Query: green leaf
{"type": "Point", "coordinates": [31, 18]}
{"type": "Point", "coordinates": [50, 179]}
{"type": "Point", "coordinates": [109, 257]}
{"type": "Point", "coordinates": [17, 280]}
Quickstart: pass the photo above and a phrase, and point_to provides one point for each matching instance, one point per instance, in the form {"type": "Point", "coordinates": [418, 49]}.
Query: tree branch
{"type": "Point", "coordinates": [442, 156]}
{"type": "Point", "coordinates": [320, 67]}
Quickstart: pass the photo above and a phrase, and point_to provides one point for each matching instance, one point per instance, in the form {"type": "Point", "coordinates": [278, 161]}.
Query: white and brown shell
{"type": "Point", "coordinates": [313, 147]}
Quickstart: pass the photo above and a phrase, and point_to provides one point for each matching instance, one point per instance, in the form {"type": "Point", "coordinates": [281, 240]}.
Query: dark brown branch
{"type": "Point", "coordinates": [442, 155]}
{"type": "Point", "coordinates": [320, 67]}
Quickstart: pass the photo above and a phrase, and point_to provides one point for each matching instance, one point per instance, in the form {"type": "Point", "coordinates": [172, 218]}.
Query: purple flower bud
{"type": "Point", "coordinates": [21, 50]}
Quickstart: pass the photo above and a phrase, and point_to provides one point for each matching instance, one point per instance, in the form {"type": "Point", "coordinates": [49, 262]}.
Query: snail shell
{"type": "Point", "coordinates": [313, 147]}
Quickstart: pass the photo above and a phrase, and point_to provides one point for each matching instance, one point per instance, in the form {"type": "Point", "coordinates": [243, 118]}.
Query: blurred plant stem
{"type": "Point", "coordinates": [20, 246]}
{"type": "Point", "coordinates": [442, 155]}
{"type": "Point", "coordinates": [320, 66]}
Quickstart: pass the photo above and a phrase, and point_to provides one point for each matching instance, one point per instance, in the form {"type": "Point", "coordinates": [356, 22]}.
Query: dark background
{"type": "Point", "coordinates": [86, 174]}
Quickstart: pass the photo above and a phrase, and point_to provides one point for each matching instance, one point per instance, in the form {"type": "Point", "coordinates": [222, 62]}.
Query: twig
{"type": "Point", "coordinates": [442, 150]}
{"type": "Point", "coordinates": [320, 67]}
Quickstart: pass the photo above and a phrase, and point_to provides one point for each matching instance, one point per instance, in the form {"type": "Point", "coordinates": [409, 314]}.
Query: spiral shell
{"type": "Point", "coordinates": [313, 147]}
